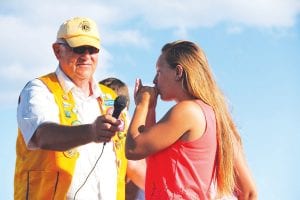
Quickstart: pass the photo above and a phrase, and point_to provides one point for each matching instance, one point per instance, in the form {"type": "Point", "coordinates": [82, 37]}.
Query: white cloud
{"type": "Point", "coordinates": [29, 26]}
{"type": "Point", "coordinates": [234, 30]}
{"type": "Point", "coordinates": [104, 64]}
{"type": "Point", "coordinates": [126, 37]}
{"type": "Point", "coordinates": [181, 32]}
{"type": "Point", "coordinates": [266, 13]}
{"type": "Point", "coordinates": [112, 16]}
{"type": "Point", "coordinates": [21, 73]}
{"type": "Point", "coordinates": [10, 98]}
{"type": "Point", "coordinates": [27, 49]}
{"type": "Point", "coordinates": [201, 13]}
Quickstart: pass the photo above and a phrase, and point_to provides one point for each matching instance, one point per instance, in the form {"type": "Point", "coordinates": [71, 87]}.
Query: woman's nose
{"type": "Point", "coordinates": [155, 79]}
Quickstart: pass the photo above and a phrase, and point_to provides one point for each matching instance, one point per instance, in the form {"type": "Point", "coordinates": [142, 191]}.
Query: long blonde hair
{"type": "Point", "coordinates": [199, 82]}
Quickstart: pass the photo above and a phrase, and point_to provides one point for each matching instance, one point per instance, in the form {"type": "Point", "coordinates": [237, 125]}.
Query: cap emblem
{"type": "Point", "coordinates": [85, 26]}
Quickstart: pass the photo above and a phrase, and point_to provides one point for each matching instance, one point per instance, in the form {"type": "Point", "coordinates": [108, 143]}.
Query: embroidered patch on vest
{"type": "Point", "coordinates": [70, 153]}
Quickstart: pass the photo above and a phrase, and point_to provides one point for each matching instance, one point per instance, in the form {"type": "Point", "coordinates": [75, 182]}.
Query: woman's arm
{"type": "Point", "coordinates": [136, 172]}
{"type": "Point", "coordinates": [245, 189]}
{"type": "Point", "coordinates": [184, 121]}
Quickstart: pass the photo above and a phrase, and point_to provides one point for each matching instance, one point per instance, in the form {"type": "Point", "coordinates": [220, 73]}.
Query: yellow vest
{"type": "Point", "coordinates": [43, 174]}
{"type": "Point", "coordinates": [118, 139]}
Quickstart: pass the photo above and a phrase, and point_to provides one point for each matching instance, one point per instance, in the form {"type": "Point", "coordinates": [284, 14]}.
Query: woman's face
{"type": "Point", "coordinates": [165, 79]}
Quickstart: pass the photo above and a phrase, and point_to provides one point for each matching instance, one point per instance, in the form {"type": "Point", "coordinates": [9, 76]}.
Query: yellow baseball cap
{"type": "Point", "coordinates": [79, 31]}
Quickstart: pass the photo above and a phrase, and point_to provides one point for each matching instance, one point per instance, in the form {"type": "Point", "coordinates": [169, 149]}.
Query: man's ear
{"type": "Point", "coordinates": [56, 50]}
{"type": "Point", "coordinates": [179, 72]}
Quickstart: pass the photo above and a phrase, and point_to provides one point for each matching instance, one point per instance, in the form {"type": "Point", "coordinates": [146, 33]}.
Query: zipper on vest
{"type": "Point", "coordinates": [27, 191]}
{"type": "Point", "coordinates": [56, 183]}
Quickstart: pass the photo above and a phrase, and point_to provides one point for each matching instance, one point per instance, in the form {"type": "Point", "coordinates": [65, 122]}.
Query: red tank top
{"type": "Point", "coordinates": [185, 169]}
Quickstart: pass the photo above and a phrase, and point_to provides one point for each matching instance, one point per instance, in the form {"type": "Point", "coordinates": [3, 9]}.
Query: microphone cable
{"type": "Point", "coordinates": [119, 104]}
{"type": "Point", "coordinates": [90, 172]}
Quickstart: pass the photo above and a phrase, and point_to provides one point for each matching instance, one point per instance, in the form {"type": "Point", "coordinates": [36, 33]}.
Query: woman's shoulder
{"type": "Point", "coordinates": [187, 105]}
{"type": "Point", "coordinates": [191, 117]}
{"type": "Point", "coordinates": [188, 109]}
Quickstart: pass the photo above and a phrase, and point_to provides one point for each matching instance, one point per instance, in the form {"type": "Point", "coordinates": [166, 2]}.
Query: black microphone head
{"type": "Point", "coordinates": [119, 104]}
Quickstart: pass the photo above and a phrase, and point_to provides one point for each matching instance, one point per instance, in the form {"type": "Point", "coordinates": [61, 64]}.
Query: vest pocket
{"type": "Point", "coordinates": [41, 184]}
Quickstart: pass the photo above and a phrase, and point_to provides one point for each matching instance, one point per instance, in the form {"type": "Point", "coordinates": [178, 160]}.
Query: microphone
{"type": "Point", "coordinates": [119, 104]}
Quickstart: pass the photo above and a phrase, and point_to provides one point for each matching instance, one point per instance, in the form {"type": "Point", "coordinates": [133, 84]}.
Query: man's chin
{"type": "Point", "coordinates": [84, 71]}
{"type": "Point", "coordinates": [84, 76]}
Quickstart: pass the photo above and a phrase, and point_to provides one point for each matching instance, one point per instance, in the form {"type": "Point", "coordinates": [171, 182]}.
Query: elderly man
{"type": "Point", "coordinates": [64, 129]}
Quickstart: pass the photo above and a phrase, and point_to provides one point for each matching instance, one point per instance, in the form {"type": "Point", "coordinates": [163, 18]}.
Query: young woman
{"type": "Point", "coordinates": [195, 146]}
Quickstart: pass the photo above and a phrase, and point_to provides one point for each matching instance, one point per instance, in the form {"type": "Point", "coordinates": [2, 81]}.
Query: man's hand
{"type": "Point", "coordinates": [104, 128]}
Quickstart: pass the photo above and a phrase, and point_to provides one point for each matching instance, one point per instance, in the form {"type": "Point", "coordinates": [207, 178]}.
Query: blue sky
{"type": "Point", "coordinates": [253, 48]}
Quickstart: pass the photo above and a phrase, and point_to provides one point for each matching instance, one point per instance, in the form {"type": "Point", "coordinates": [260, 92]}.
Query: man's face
{"type": "Point", "coordinates": [79, 63]}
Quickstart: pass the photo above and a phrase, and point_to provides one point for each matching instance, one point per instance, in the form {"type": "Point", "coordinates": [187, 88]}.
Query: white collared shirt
{"type": "Point", "coordinates": [37, 106]}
